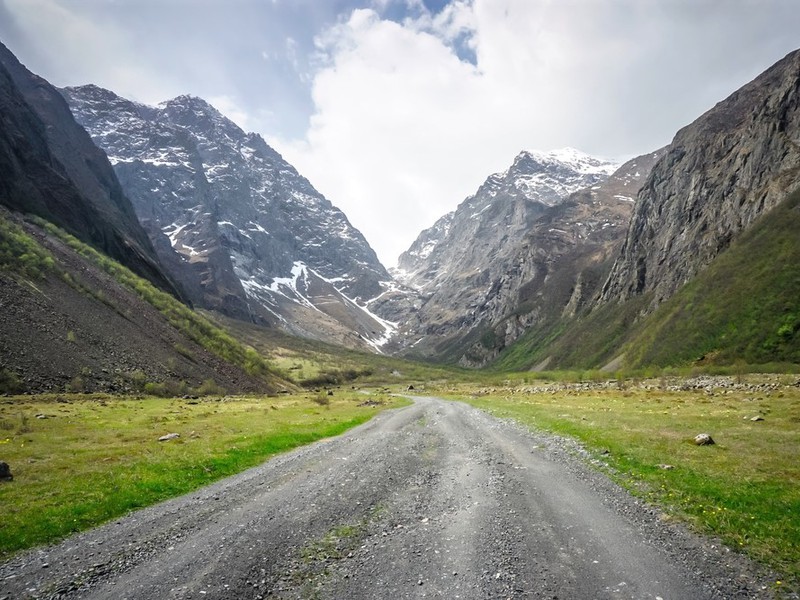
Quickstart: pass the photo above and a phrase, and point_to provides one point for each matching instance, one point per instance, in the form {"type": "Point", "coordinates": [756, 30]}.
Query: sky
{"type": "Point", "coordinates": [397, 110]}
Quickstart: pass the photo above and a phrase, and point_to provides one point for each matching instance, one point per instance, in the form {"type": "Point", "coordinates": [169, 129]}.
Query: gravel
{"type": "Point", "coordinates": [437, 500]}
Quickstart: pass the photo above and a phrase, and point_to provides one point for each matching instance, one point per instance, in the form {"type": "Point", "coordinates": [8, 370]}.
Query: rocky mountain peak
{"type": "Point", "coordinates": [539, 232]}
{"type": "Point", "coordinates": [510, 200]}
{"type": "Point", "coordinates": [196, 113]}
{"type": "Point", "coordinates": [242, 230]}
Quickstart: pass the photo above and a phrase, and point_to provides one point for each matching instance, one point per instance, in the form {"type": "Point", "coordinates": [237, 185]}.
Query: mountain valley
{"type": "Point", "coordinates": [210, 385]}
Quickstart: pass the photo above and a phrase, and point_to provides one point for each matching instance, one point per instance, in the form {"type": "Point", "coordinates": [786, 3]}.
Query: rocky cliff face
{"type": "Point", "coordinates": [236, 224]}
{"type": "Point", "coordinates": [720, 173]}
{"type": "Point", "coordinates": [476, 266]}
{"type": "Point", "coordinates": [498, 215]}
{"type": "Point", "coordinates": [562, 261]}
{"type": "Point", "coordinates": [50, 167]}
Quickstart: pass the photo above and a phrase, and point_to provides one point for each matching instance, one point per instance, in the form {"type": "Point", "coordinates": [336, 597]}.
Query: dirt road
{"type": "Point", "coordinates": [437, 500]}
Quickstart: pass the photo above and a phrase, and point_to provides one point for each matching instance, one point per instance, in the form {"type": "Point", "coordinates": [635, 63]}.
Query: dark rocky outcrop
{"type": "Point", "coordinates": [50, 167]}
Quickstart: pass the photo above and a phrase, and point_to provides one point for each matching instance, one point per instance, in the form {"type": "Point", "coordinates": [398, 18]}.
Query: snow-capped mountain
{"type": "Point", "coordinates": [499, 214]}
{"type": "Point", "coordinates": [516, 250]}
{"type": "Point", "coordinates": [235, 224]}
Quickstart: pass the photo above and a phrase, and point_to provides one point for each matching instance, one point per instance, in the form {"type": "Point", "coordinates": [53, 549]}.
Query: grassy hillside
{"type": "Point", "coordinates": [744, 307]}
{"type": "Point", "coordinates": [76, 320]}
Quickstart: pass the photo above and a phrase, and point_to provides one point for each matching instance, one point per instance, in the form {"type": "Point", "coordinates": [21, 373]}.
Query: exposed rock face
{"type": "Point", "coordinates": [50, 167]}
{"type": "Point", "coordinates": [498, 215]}
{"type": "Point", "coordinates": [235, 223]}
{"type": "Point", "coordinates": [477, 265]}
{"type": "Point", "coordinates": [562, 261]}
{"type": "Point", "coordinates": [720, 173]}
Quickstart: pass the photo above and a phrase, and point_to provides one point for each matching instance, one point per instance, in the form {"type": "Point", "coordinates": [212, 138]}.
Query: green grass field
{"type": "Point", "coordinates": [94, 458]}
{"type": "Point", "coordinates": [744, 489]}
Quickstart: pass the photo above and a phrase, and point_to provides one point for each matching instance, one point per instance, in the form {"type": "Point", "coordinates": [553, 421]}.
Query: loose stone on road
{"type": "Point", "coordinates": [436, 500]}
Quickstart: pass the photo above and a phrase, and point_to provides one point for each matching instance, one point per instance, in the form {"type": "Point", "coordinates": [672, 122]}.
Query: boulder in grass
{"type": "Point", "coordinates": [703, 439]}
{"type": "Point", "coordinates": [168, 437]}
{"type": "Point", "coordinates": [5, 472]}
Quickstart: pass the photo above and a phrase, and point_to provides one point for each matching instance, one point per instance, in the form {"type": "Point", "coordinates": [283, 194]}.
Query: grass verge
{"type": "Point", "coordinates": [745, 489]}
{"type": "Point", "coordinates": [91, 459]}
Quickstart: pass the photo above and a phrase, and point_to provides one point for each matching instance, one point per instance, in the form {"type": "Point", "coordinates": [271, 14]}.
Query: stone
{"type": "Point", "coordinates": [757, 418]}
{"type": "Point", "coordinates": [666, 467]}
{"type": "Point", "coordinates": [703, 439]}
{"type": "Point", "coordinates": [169, 436]}
{"type": "Point", "coordinates": [5, 472]}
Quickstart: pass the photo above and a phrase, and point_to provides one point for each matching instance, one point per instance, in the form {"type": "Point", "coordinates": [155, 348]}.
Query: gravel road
{"type": "Point", "coordinates": [436, 500]}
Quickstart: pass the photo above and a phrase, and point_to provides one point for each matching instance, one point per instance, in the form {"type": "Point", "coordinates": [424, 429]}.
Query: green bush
{"type": "Point", "coordinates": [22, 254]}
{"type": "Point", "coordinates": [10, 383]}
{"type": "Point", "coordinates": [209, 388]}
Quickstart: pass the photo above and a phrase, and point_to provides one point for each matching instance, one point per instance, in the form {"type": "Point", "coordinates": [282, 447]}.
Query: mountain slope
{"type": "Point", "coordinates": [744, 306]}
{"type": "Point", "coordinates": [241, 230]}
{"type": "Point", "coordinates": [675, 294]}
{"type": "Point", "coordinates": [720, 173]}
{"type": "Point", "coordinates": [50, 167]}
{"type": "Point", "coordinates": [467, 289]}
{"type": "Point", "coordinates": [74, 320]}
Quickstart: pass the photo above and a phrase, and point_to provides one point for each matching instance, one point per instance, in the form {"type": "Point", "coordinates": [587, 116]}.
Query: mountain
{"type": "Point", "coordinates": [79, 279]}
{"type": "Point", "coordinates": [74, 320]}
{"type": "Point", "coordinates": [50, 167]}
{"type": "Point", "coordinates": [707, 270]}
{"type": "Point", "coordinates": [500, 211]}
{"type": "Point", "coordinates": [519, 224]}
{"type": "Point", "coordinates": [240, 229]}
{"type": "Point", "coordinates": [734, 163]}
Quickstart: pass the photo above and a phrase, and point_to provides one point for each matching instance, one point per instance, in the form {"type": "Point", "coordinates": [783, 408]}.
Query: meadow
{"type": "Point", "coordinates": [79, 460]}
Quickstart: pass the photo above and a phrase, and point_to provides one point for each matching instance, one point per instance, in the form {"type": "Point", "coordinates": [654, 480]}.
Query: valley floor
{"type": "Point", "coordinates": [436, 500]}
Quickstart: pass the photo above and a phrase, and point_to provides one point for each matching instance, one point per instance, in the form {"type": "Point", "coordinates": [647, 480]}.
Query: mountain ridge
{"type": "Point", "coordinates": [234, 221]}
{"type": "Point", "coordinates": [52, 168]}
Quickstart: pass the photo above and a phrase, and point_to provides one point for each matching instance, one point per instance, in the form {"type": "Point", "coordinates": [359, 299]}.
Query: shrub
{"type": "Point", "coordinates": [321, 399]}
{"type": "Point", "coordinates": [209, 388]}
{"type": "Point", "coordinates": [10, 383]}
{"type": "Point", "coordinates": [77, 385]}
{"type": "Point", "coordinates": [21, 253]}
{"type": "Point", "coordinates": [152, 388]}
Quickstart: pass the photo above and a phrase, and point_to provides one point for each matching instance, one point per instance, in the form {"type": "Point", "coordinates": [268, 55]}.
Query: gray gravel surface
{"type": "Point", "coordinates": [437, 500]}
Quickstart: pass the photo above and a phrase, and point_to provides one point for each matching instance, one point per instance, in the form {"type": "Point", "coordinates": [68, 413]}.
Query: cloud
{"type": "Point", "coordinates": [399, 109]}
{"type": "Point", "coordinates": [413, 112]}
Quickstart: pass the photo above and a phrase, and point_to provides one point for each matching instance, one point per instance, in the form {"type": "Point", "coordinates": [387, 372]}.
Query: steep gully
{"type": "Point", "coordinates": [436, 500]}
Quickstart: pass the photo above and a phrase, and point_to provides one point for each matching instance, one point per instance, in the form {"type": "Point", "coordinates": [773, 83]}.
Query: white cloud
{"type": "Point", "coordinates": [403, 129]}
{"type": "Point", "coordinates": [408, 117]}
{"type": "Point", "coordinates": [80, 46]}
